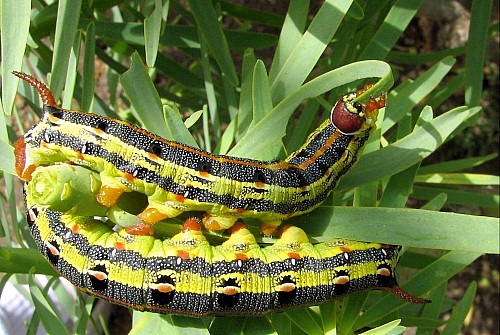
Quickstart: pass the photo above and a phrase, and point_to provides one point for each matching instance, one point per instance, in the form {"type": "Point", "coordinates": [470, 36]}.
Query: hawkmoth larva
{"type": "Point", "coordinates": [177, 178]}
{"type": "Point", "coordinates": [185, 274]}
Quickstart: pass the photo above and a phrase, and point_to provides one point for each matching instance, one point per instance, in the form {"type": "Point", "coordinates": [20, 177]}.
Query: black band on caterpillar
{"type": "Point", "coordinates": [185, 275]}
{"type": "Point", "coordinates": [178, 178]}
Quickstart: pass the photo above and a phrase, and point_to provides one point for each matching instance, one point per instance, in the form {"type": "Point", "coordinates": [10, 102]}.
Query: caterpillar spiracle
{"type": "Point", "coordinates": [184, 274]}
{"type": "Point", "coordinates": [178, 178]}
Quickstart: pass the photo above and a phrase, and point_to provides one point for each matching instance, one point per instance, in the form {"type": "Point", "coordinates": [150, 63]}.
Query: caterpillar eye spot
{"type": "Point", "coordinates": [228, 293]}
{"type": "Point", "coordinates": [32, 215]}
{"type": "Point", "coordinates": [155, 149]}
{"type": "Point", "coordinates": [98, 276]}
{"type": "Point", "coordinates": [384, 276]}
{"type": "Point", "coordinates": [204, 166]}
{"type": "Point", "coordinates": [102, 125]}
{"type": "Point", "coordinates": [54, 115]}
{"type": "Point", "coordinates": [287, 290]}
{"type": "Point", "coordinates": [53, 251]}
{"type": "Point", "coordinates": [259, 177]}
{"type": "Point", "coordinates": [163, 290]}
{"type": "Point", "coordinates": [342, 282]}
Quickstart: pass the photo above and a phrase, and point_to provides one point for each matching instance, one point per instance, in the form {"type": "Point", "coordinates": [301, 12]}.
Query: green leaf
{"type": "Point", "coordinates": [144, 97]}
{"type": "Point", "coordinates": [14, 30]}
{"type": "Point", "coordinates": [476, 48]}
{"type": "Point", "coordinates": [152, 28]}
{"type": "Point", "coordinates": [88, 70]}
{"type": "Point", "coordinates": [7, 163]}
{"type": "Point", "coordinates": [391, 29]}
{"type": "Point", "coordinates": [403, 226]}
{"type": "Point", "coordinates": [46, 312]}
{"type": "Point", "coordinates": [458, 178]}
{"type": "Point", "coordinates": [406, 152]}
{"type": "Point", "coordinates": [205, 16]}
{"type": "Point", "coordinates": [68, 14]}
{"type": "Point", "coordinates": [308, 49]}
{"type": "Point", "coordinates": [460, 312]}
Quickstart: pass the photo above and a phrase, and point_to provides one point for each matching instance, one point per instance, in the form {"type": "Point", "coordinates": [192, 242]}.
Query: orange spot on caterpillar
{"type": "Point", "coordinates": [99, 275]}
{"type": "Point", "coordinates": [230, 290]}
{"type": "Point", "coordinates": [211, 223]}
{"type": "Point", "coordinates": [108, 196]}
{"type": "Point", "coordinates": [203, 174]}
{"type": "Point", "coordinates": [24, 172]}
{"type": "Point", "coordinates": [342, 280]}
{"type": "Point", "coordinates": [53, 250]}
{"type": "Point", "coordinates": [152, 215]}
{"type": "Point", "coordinates": [129, 176]}
{"type": "Point", "coordinates": [287, 287]}
{"type": "Point", "coordinates": [241, 256]}
{"type": "Point", "coordinates": [183, 254]}
{"type": "Point", "coordinates": [345, 249]}
{"type": "Point", "coordinates": [165, 287]}
{"type": "Point", "coordinates": [142, 229]}
{"type": "Point", "coordinates": [75, 229]}
{"type": "Point", "coordinates": [191, 224]}
{"type": "Point", "coordinates": [384, 272]}
{"type": "Point", "coordinates": [237, 226]}
{"type": "Point", "coordinates": [260, 184]}
{"type": "Point", "coordinates": [293, 255]}
{"type": "Point", "coordinates": [119, 245]}
{"type": "Point", "coordinates": [79, 155]}
{"type": "Point", "coordinates": [152, 156]}
{"type": "Point", "coordinates": [45, 93]}
{"type": "Point", "coordinates": [180, 198]}
{"type": "Point", "coordinates": [240, 210]}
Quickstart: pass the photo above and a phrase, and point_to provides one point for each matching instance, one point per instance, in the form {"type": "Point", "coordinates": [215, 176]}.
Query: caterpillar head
{"type": "Point", "coordinates": [349, 116]}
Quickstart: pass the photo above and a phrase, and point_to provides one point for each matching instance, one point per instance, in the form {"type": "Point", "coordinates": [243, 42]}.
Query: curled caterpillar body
{"type": "Point", "coordinates": [178, 178]}
{"type": "Point", "coordinates": [186, 275]}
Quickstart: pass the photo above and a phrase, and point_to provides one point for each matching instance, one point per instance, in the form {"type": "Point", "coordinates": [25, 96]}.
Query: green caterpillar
{"type": "Point", "coordinates": [177, 178]}
{"type": "Point", "coordinates": [185, 274]}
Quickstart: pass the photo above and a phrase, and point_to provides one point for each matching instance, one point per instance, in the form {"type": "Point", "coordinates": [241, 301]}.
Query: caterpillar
{"type": "Point", "coordinates": [177, 178]}
{"type": "Point", "coordinates": [186, 275]}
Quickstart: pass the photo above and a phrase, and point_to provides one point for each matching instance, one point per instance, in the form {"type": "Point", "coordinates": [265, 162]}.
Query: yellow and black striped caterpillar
{"type": "Point", "coordinates": [186, 275]}
{"type": "Point", "coordinates": [178, 178]}
{"type": "Point", "coordinates": [67, 216]}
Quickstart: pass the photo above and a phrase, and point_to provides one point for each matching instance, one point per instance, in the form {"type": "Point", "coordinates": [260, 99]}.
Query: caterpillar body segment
{"type": "Point", "coordinates": [178, 178]}
{"type": "Point", "coordinates": [186, 275]}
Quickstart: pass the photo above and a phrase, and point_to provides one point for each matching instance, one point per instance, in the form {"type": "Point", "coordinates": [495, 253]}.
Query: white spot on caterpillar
{"type": "Point", "coordinates": [384, 252]}
{"type": "Point", "coordinates": [84, 148]}
{"type": "Point", "coordinates": [346, 256]}
{"type": "Point", "coordinates": [239, 263]}
{"type": "Point", "coordinates": [178, 261]}
{"type": "Point", "coordinates": [46, 137]}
